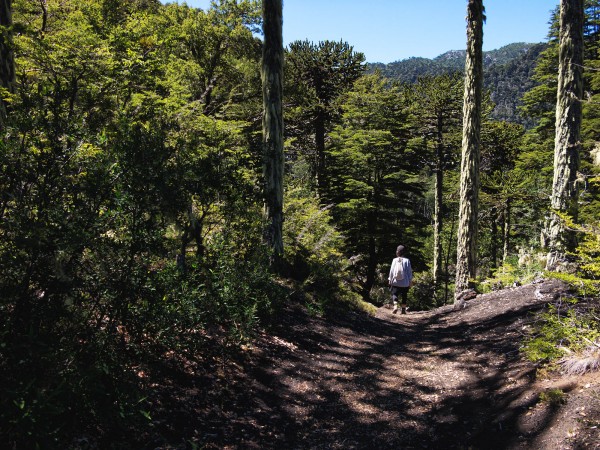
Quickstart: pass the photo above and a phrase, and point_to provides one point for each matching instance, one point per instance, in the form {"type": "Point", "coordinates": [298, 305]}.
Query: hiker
{"type": "Point", "coordinates": [400, 279]}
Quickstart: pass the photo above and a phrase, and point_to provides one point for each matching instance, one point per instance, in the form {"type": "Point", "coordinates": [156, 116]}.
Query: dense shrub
{"type": "Point", "coordinates": [569, 333]}
{"type": "Point", "coordinates": [314, 252]}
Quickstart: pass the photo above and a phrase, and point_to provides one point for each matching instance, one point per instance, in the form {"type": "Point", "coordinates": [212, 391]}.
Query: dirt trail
{"type": "Point", "coordinates": [439, 379]}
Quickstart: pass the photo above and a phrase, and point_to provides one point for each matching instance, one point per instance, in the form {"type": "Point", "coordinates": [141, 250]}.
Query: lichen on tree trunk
{"type": "Point", "coordinates": [469, 182]}
{"type": "Point", "coordinates": [567, 134]}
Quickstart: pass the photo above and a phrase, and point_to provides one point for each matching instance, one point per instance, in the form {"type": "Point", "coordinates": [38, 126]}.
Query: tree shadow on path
{"type": "Point", "coordinates": [442, 379]}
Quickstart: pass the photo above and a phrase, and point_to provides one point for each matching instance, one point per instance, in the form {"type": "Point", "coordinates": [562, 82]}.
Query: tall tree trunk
{"type": "Point", "coordinates": [447, 262]}
{"type": "Point", "coordinates": [7, 66]}
{"type": "Point", "coordinates": [372, 249]}
{"type": "Point", "coordinates": [494, 237]}
{"type": "Point", "coordinates": [320, 149]}
{"type": "Point", "coordinates": [272, 80]}
{"type": "Point", "coordinates": [567, 138]}
{"type": "Point", "coordinates": [506, 230]}
{"type": "Point", "coordinates": [437, 207]}
{"type": "Point", "coordinates": [469, 180]}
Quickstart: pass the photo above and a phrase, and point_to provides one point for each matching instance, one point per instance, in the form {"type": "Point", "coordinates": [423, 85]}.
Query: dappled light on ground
{"type": "Point", "coordinates": [438, 379]}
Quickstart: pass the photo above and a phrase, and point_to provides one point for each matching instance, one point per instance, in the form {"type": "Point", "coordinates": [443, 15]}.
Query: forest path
{"type": "Point", "coordinates": [438, 379]}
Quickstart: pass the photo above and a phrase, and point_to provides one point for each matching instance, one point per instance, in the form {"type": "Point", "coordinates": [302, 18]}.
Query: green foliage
{"type": "Point", "coordinates": [553, 397]}
{"type": "Point", "coordinates": [507, 74]}
{"type": "Point", "coordinates": [561, 333]}
{"type": "Point", "coordinates": [233, 290]}
{"type": "Point", "coordinates": [422, 295]}
{"type": "Point", "coordinates": [574, 332]}
{"type": "Point", "coordinates": [373, 175]}
{"type": "Point", "coordinates": [122, 151]}
{"type": "Point", "coordinates": [512, 272]}
{"type": "Point", "coordinates": [314, 250]}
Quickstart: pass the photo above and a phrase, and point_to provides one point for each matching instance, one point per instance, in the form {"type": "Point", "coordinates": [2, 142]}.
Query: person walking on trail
{"type": "Point", "coordinates": [400, 279]}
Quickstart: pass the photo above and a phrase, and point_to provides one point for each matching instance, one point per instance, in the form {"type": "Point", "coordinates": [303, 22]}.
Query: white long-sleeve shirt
{"type": "Point", "coordinates": [406, 270]}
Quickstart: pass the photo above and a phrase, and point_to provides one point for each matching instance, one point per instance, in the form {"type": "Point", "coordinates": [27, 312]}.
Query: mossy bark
{"type": "Point", "coordinates": [471, 141]}
{"type": "Point", "coordinates": [567, 141]}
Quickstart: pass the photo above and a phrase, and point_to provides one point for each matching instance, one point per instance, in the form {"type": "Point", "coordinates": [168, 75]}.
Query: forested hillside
{"type": "Point", "coordinates": [508, 74]}
{"type": "Point", "coordinates": [173, 182]}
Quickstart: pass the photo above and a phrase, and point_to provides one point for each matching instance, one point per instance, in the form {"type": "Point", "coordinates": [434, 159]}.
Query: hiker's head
{"type": "Point", "coordinates": [400, 250]}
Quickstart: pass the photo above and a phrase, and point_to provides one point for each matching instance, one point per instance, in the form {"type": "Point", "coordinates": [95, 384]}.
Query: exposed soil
{"type": "Point", "coordinates": [438, 379]}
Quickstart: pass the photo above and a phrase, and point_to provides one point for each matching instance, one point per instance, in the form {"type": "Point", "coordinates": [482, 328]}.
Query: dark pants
{"type": "Point", "coordinates": [400, 292]}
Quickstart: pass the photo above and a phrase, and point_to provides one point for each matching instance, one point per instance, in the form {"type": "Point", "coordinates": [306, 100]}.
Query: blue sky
{"type": "Point", "coordinates": [392, 30]}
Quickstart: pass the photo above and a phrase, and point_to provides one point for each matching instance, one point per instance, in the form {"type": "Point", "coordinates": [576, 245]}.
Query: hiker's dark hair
{"type": "Point", "coordinates": [400, 250]}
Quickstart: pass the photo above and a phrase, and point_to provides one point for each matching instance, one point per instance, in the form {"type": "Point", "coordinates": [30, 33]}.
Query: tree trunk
{"type": "Point", "coordinates": [272, 81]}
{"type": "Point", "coordinates": [372, 249]}
{"type": "Point", "coordinates": [567, 138]}
{"type": "Point", "coordinates": [437, 208]}
{"type": "Point", "coordinates": [506, 224]}
{"type": "Point", "coordinates": [494, 237]}
{"type": "Point", "coordinates": [506, 230]}
{"type": "Point", "coordinates": [7, 66]}
{"type": "Point", "coordinates": [469, 180]}
{"type": "Point", "coordinates": [320, 149]}
{"type": "Point", "coordinates": [447, 262]}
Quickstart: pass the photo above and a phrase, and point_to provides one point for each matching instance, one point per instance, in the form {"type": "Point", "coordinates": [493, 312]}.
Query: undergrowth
{"type": "Point", "coordinates": [514, 271]}
{"type": "Point", "coordinates": [316, 264]}
{"type": "Point", "coordinates": [568, 334]}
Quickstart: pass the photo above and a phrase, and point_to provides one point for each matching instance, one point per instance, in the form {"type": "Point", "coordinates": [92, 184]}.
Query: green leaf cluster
{"type": "Point", "coordinates": [130, 205]}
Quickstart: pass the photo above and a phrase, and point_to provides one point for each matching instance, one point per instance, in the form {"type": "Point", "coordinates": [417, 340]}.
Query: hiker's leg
{"type": "Point", "coordinates": [394, 299]}
{"type": "Point", "coordinates": [404, 294]}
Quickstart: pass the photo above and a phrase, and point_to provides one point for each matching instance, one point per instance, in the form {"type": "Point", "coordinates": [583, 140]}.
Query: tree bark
{"type": "Point", "coordinates": [469, 182]}
{"type": "Point", "coordinates": [437, 207]}
{"type": "Point", "coordinates": [372, 249]}
{"type": "Point", "coordinates": [567, 135]}
{"type": "Point", "coordinates": [506, 224]}
{"type": "Point", "coordinates": [320, 148]}
{"type": "Point", "coordinates": [7, 65]}
{"type": "Point", "coordinates": [494, 237]}
{"type": "Point", "coordinates": [272, 81]}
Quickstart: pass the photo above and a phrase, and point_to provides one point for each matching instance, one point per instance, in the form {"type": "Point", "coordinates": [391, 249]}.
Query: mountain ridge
{"type": "Point", "coordinates": [508, 73]}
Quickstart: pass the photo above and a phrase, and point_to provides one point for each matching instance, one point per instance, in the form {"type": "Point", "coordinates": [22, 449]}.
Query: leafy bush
{"type": "Point", "coordinates": [421, 295]}
{"type": "Point", "coordinates": [571, 335]}
{"type": "Point", "coordinates": [313, 250]}
{"type": "Point", "coordinates": [559, 332]}
{"type": "Point", "coordinates": [515, 270]}
{"type": "Point", "coordinates": [553, 397]}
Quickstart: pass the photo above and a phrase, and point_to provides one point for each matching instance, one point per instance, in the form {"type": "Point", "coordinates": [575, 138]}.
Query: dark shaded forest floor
{"type": "Point", "coordinates": [438, 379]}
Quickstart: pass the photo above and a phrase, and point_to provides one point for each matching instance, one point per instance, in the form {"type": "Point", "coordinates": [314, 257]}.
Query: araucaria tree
{"type": "Point", "coordinates": [567, 135]}
{"type": "Point", "coordinates": [469, 180]}
{"type": "Point", "coordinates": [317, 75]}
{"type": "Point", "coordinates": [371, 174]}
{"type": "Point", "coordinates": [437, 110]}
{"type": "Point", "coordinates": [272, 82]}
